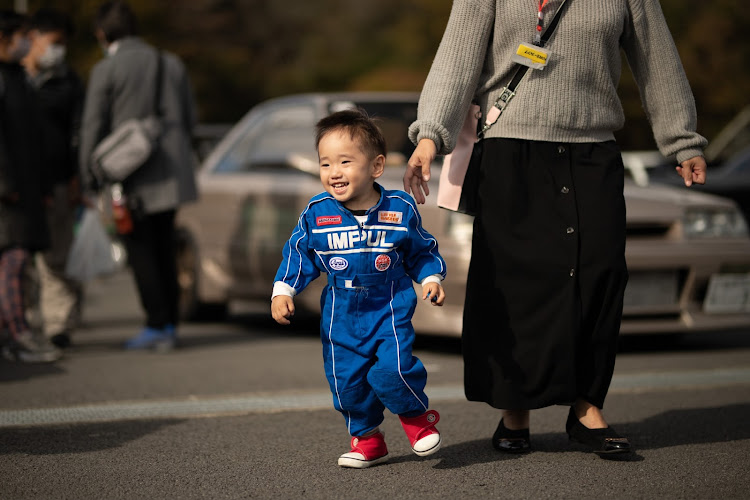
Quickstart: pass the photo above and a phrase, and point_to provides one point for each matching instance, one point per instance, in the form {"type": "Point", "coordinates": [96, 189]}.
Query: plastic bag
{"type": "Point", "coordinates": [91, 253]}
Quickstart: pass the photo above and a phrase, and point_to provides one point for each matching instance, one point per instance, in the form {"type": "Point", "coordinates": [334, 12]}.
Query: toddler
{"type": "Point", "coordinates": [370, 243]}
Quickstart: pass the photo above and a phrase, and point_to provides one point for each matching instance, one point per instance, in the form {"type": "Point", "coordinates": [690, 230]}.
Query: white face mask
{"type": "Point", "coordinates": [53, 56]}
{"type": "Point", "coordinates": [19, 50]}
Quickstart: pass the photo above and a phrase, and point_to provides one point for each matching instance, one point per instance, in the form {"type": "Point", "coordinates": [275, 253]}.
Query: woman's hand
{"type": "Point", "coordinates": [418, 170]}
{"type": "Point", "coordinates": [693, 170]}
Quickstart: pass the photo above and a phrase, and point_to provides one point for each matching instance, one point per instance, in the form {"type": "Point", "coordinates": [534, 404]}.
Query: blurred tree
{"type": "Point", "coordinates": [240, 52]}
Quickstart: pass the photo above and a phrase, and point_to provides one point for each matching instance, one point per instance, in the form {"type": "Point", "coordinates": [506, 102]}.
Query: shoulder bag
{"type": "Point", "coordinates": [133, 142]}
{"type": "Point", "coordinates": [459, 178]}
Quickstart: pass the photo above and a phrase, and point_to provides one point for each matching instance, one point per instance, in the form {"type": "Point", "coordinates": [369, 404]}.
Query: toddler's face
{"type": "Point", "coordinates": [347, 172]}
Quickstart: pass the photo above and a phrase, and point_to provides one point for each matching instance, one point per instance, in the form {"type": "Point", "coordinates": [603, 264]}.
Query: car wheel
{"type": "Point", "coordinates": [191, 308]}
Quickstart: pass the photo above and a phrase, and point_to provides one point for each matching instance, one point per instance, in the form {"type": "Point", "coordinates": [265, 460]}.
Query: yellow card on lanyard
{"type": "Point", "coordinates": [532, 56]}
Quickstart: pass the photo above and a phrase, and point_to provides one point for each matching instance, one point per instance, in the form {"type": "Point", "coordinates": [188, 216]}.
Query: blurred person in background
{"type": "Point", "coordinates": [122, 87]}
{"type": "Point", "coordinates": [60, 95]}
{"type": "Point", "coordinates": [24, 191]}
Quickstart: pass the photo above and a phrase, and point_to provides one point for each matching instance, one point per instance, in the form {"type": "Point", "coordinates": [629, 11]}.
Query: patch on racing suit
{"type": "Point", "coordinates": [328, 220]}
{"type": "Point", "coordinates": [390, 217]}
{"type": "Point", "coordinates": [338, 263]}
{"type": "Point", "coordinates": [382, 262]}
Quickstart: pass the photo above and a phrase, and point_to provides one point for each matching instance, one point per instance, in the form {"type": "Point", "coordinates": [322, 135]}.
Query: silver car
{"type": "Point", "coordinates": [688, 253]}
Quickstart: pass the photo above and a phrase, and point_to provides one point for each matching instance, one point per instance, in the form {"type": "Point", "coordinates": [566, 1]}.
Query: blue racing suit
{"type": "Point", "coordinates": [369, 301]}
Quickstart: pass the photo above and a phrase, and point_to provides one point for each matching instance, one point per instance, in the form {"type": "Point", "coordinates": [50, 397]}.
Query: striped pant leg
{"type": "Point", "coordinates": [12, 309]}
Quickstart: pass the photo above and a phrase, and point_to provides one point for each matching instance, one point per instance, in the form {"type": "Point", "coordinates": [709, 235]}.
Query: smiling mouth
{"type": "Point", "coordinates": [339, 187]}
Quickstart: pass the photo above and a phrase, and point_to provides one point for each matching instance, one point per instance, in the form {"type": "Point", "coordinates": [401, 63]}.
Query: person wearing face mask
{"type": "Point", "coordinates": [60, 93]}
{"type": "Point", "coordinates": [24, 194]}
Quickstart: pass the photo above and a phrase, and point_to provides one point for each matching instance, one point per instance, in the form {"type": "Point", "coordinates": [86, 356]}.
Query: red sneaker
{"type": "Point", "coordinates": [422, 434]}
{"type": "Point", "coordinates": [366, 451]}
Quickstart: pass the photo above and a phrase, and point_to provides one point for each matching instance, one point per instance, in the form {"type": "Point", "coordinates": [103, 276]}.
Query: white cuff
{"type": "Point", "coordinates": [281, 288]}
{"type": "Point", "coordinates": [433, 278]}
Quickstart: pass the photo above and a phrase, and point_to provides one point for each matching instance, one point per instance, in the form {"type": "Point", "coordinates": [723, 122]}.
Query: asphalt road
{"type": "Point", "coordinates": [242, 410]}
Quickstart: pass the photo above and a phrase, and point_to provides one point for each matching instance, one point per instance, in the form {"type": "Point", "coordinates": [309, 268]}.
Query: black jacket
{"type": "Point", "coordinates": [24, 183]}
{"type": "Point", "coordinates": [60, 93]}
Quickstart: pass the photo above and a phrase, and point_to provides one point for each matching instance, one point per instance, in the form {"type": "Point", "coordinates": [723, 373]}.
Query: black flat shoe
{"type": "Point", "coordinates": [510, 441]}
{"type": "Point", "coordinates": [602, 441]}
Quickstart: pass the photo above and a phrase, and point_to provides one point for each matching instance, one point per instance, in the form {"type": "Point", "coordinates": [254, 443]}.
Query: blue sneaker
{"type": "Point", "coordinates": [153, 338]}
{"type": "Point", "coordinates": [171, 341]}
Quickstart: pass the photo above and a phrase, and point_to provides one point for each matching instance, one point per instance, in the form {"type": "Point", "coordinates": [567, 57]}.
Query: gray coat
{"type": "Point", "coordinates": [121, 87]}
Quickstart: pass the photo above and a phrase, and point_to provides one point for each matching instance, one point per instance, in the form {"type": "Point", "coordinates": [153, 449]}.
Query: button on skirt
{"type": "Point", "coordinates": [547, 275]}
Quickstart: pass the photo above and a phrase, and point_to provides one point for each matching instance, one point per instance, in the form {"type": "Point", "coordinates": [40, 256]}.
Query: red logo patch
{"type": "Point", "coordinates": [382, 262]}
{"type": "Point", "coordinates": [328, 220]}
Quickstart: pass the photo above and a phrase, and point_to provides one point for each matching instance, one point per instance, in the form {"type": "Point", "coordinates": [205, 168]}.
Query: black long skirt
{"type": "Point", "coordinates": [547, 274]}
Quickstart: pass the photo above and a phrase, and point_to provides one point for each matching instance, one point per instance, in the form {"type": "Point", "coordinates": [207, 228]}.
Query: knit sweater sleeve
{"type": "Point", "coordinates": [663, 85]}
{"type": "Point", "coordinates": [453, 77]}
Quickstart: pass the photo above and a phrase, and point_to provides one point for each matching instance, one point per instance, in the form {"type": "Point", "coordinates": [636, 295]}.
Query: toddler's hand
{"type": "Point", "coordinates": [435, 292]}
{"type": "Point", "coordinates": [282, 308]}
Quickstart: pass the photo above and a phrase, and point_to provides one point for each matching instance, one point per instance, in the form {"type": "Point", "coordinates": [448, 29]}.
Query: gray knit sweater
{"type": "Point", "coordinates": [575, 98]}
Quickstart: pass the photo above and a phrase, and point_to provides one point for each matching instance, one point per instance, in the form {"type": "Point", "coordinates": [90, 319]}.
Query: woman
{"type": "Point", "coordinates": [548, 250]}
{"type": "Point", "coordinates": [24, 189]}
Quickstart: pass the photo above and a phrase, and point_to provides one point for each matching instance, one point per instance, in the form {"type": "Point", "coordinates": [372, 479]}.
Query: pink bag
{"type": "Point", "coordinates": [454, 193]}
{"type": "Point", "coordinates": [459, 179]}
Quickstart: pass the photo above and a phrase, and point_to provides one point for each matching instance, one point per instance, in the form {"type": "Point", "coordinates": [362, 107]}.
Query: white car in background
{"type": "Point", "coordinates": [688, 253]}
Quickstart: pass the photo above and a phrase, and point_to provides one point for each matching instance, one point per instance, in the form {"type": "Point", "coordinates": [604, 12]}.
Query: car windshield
{"type": "Point", "coordinates": [394, 119]}
{"type": "Point", "coordinates": [268, 138]}
{"type": "Point", "coordinates": [283, 137]}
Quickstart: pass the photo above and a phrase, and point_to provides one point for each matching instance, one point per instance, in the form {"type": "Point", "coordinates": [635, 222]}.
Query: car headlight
{"type": "Point", "coordinates": [714, 223]}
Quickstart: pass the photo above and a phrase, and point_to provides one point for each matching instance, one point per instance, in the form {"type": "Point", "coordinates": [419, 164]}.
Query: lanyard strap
{"type": "Point", "coordinates": [552, 24]}
{"type": "Point", "coordinates": [539, 22]}
{"type": "Point", "coordinates": [510, 90]}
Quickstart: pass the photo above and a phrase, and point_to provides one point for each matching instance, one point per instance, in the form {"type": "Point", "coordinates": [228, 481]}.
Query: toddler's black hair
{"type": "Point", "coordinates": [360, 126]}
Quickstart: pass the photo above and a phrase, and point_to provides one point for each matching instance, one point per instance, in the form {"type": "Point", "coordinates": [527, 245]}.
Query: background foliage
{"type": "Point", "coordinates": [240, 52]}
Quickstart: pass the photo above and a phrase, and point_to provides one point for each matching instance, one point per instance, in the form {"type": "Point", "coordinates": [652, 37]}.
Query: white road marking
{"type": "Point", "coordinates": [264, 403]}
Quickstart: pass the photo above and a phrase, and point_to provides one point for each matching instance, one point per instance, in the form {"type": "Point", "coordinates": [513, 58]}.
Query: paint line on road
{"type": "Point", "coordinates": [232, 405]}
{"type": "Point", "coordinates": [190, 407]}
{"type": "Point", "coordinates": [679, 380]}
